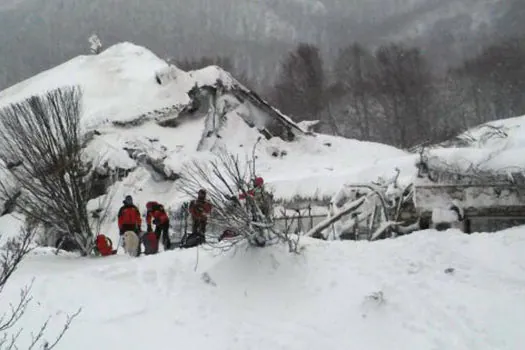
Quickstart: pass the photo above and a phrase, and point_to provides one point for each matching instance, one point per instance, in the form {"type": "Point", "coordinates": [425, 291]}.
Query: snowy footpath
{"type": "Point", "coordinates": [429, 290]}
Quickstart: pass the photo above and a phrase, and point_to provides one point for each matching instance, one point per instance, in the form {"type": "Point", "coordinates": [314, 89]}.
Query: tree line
{"type": "Point", "coordinates": [392, 94]}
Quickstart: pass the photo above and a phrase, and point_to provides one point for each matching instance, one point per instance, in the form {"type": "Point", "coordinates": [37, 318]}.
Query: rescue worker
{"type": "Point", "coordinates": [129, 217]}
{"type": "Point", "coordinates": [259, 195]}
{"type": "Point", "coordinates": [200, 209]}
{"type": "Point", "coordinates": [156, 213]}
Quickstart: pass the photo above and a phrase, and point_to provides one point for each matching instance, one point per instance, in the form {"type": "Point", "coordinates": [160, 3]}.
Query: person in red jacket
{"type": "Point", "coordinates": [129, 217]}
{"type": "Point", "coordinates": [157, 214]}
{"type": "Point", "coordinates": [200, 209]}
{"type": "Point", "coordinates": [259, 194]}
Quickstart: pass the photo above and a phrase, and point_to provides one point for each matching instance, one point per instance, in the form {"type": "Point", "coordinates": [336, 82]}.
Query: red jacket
{"type": "Point", "coordinates": [200, 209]}
{"type": "Point", "coordinates": [157, 213]}
{"type": "Point", "coordinates": [129, 215]}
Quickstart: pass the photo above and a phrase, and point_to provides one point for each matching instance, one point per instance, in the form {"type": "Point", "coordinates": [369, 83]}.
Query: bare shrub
{"type": "Point", "coordinates": [251, 219]}
{"type": "Point", "coordinates": [42, 136]}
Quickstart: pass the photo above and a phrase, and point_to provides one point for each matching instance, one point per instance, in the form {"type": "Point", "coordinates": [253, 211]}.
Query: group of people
{"type": "Point", "coordinates": [129, 219]}
{"type": "Point", "coordinates": [132, 235]}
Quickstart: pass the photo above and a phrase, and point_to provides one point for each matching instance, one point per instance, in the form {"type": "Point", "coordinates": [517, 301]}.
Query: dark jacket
{"type": "Point", "coordinates": [200, 209]}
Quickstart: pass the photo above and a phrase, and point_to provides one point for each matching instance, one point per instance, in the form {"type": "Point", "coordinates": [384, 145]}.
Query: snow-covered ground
{"type": "Point", "coordinates": [429, 290]}
{"type": "Point", "coordinates": [10, 226]}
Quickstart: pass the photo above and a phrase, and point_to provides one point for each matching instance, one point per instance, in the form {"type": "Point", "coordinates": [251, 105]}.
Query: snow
{"type": "Point", "coordinates": [122, 75]}
{"type": "Point", "coordinates": [496, 145]}
{"type": "Point", "coordinates": [11, 226]}
{"type": "Point", "coordinates": [444, 215]}
{"type": "Point", "coordinates": [118, 84]}
{"type": "Point", "coordinates": [464, 160]}
{"type": "Point", "coordinates": [393, 294]}
{"type": "Point", "coordinates": [208, 76]}
{"type": "Point", "coordinates": [308, 124]}
{"type": "Point", "coordinates": [429, 290]}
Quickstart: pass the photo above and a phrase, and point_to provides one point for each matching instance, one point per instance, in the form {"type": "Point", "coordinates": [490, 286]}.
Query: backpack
{"type": "Point", "coordinates": [104, 245]}
{"type": "Point", "coordinates": [193, 240]}
{"type": "Point", "coordinates": [151, 243]}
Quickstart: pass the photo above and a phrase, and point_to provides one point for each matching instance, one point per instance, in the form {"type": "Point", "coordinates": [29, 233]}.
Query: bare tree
{"type": "Point", "coordinates": [299, 90]}
{"type": "Point", "coordinates": [353, 71]}
{"type": "Point", "coordinates": [493, 82]}
{"type": "Point", "coordinates": [405, 91]}
{"type": "Point", "coordinates": [11, 254]}
{"type": "Point", "coordinates": [41, 136]}
{"type": "Point", "coordinates": [386, 96]}
{"type": "Point", "coordinates": [251, 219]}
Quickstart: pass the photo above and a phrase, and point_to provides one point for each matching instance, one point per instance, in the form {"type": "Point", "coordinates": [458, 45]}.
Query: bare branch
{"type": "Point", "coordinates": [47, 345]}
{"type": "Point", "coordinates": [12, 254]}
{"type": "Point", "coordinates": [226, 180]}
